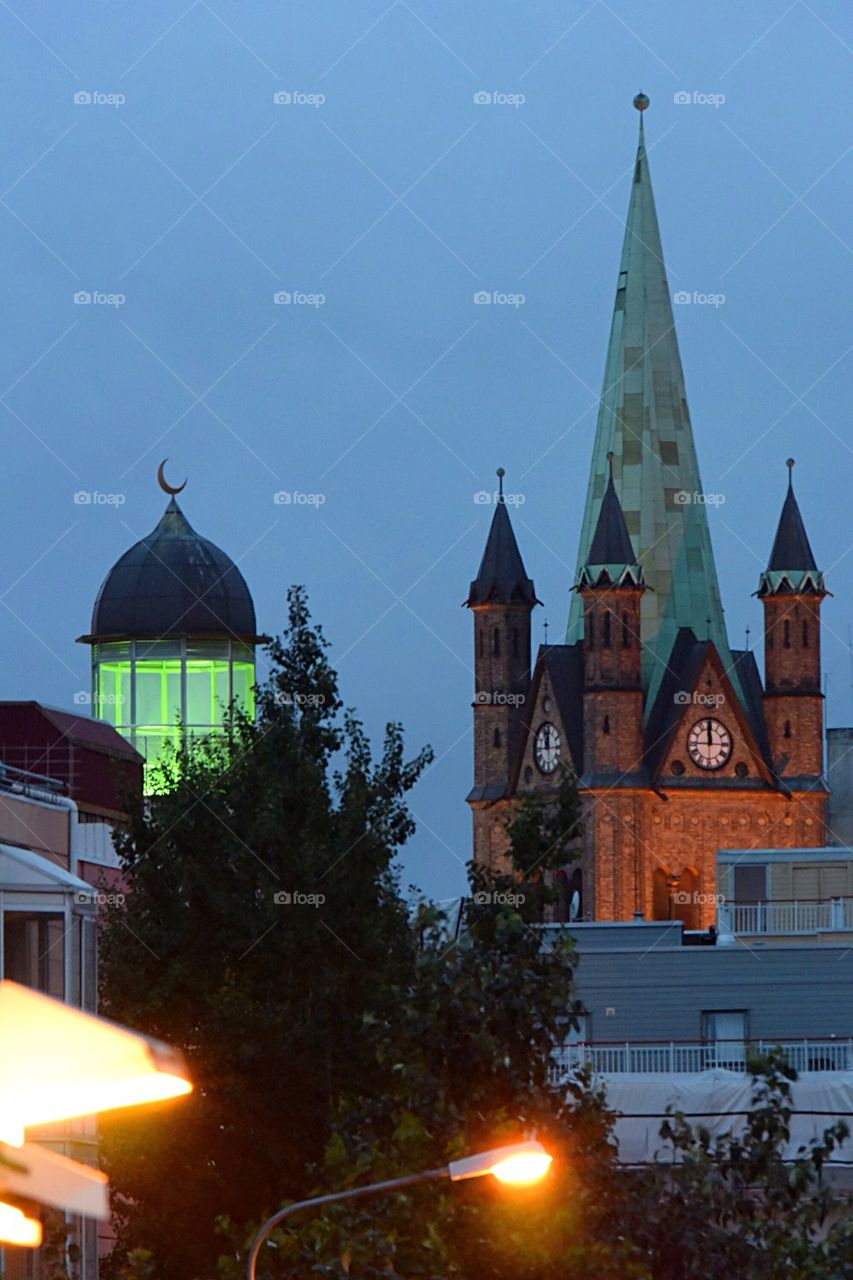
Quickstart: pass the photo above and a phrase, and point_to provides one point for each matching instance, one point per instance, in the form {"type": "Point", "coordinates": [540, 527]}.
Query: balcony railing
{"type": "Point", "coordinates": [680, 1056]}
{"type": "Point", "coordinates": [786, 917]}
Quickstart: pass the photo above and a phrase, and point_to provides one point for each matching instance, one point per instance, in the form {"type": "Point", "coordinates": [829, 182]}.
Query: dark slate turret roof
{"type": "Point", "coordinates": [502, 577]}
{"type": "Point", "coordinates": [791, 548]}
{"type": "Point", "coordinates": [611, 543]}
{"type": "Point", "coordinates": [174, 583]}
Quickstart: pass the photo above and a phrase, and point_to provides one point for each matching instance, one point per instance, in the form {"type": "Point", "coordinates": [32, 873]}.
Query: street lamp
{"type": "Point", "coordinates": [520, 1164]}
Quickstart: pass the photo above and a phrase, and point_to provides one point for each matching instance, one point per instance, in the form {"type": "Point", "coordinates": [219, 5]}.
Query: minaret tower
{"type": "Point", "coordinates": [611, 587]}
{"type": "Point", "coordinates": [792, 590]}
{"type": "Point", "coordinates": [501, 598]}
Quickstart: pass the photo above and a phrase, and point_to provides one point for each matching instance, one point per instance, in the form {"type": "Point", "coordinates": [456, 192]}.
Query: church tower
{"type": "Point", "coordinates": [792, 591]}
{"type": "Point", "coordinates": [611, 588]}
{"type": "Point", "coordinates": [501, 599]}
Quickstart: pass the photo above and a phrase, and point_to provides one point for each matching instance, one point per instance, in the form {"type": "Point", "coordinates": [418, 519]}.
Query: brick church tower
{"type": "Point", "coordinates": [677, 746]}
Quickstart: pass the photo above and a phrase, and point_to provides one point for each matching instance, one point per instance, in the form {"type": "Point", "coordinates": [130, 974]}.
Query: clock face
{"type": "Point", "coordinates": [709, 743]}
{"type": "Point", "coordinates": [547, 748]}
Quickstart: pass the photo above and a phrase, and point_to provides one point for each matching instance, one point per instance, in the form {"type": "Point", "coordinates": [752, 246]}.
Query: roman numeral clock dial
{"type": "Point", "coordinates": [709, 744]}
{"type": "Point", "coordinates": [547, 748]}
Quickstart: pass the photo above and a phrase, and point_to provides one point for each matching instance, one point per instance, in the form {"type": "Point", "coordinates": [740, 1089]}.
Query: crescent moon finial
{"type": "Point", "coordinates": [164, 484]}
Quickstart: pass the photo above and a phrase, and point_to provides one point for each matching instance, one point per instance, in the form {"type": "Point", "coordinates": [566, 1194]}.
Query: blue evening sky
{"type": "Point", "coordinates": [386, 188]}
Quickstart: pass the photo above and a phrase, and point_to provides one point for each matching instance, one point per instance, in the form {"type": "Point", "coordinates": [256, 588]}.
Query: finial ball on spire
{"type": "Point", "coordinates": [500, 473]}
{"type": "Point", "coordinates": [789, 462]}
{"type": "Point", "coordinates": [641, 101]}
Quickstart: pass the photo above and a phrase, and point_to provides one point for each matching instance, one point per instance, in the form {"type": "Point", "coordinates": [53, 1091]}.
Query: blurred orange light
{"type": "Point", "coordinates": [17, 1228]}
{"type": "Point", "coordinates": [524, 1168]}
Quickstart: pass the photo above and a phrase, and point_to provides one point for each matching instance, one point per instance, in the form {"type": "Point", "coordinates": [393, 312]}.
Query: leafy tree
{"type": "Point", "coordinates": [261, 924]}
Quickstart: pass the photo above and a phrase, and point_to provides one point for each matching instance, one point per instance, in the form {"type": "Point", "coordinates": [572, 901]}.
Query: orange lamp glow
{"type": "Point", "coordinates": [68, 1063]}
{"type": "Point", "coordinates": [520, 1164]}
{"type": "Point", "coordinates": [17, 1228]}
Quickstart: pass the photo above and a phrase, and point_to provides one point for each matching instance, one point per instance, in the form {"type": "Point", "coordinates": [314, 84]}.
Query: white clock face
{"type": "Point", "coordinates": [709, 744]}
{"type": "Point", "coordinates": [547, 748]}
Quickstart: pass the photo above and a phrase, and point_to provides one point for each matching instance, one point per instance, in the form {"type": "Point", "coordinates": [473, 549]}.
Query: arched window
{"type": "Point", "coordinates": [496, 740]}
{"type": "Point", "coordinates": [605, 728]}
{"type": "Point", "coordinates": [626, 632]}
{"type": "Point", "coordinates": [805, 634]}
{"type": "Point", "coordinates": [786, 634]}
{"type": "Point", "coordinates": [605, 631]}
{"type": "Point", "coordinates": [481, 645]}
{"type": "Point", "coordinates": [515, 642]}
{"type": "Point", "coordinates": [590, 629]}
{"type": "Point", "coordinates": [787, 730]}
{"type": "Point", "coordinates": [496, 642]}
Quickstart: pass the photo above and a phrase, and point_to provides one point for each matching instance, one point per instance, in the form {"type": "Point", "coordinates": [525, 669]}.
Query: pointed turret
{"type": "Point", "coordinates": [792, 561]}
{"type": "Point", "coordinates": [611, 555]}
{"type": "Point", "coordinates": [643, 419]}
{"type": "Point", "coordinates": [501, 578]}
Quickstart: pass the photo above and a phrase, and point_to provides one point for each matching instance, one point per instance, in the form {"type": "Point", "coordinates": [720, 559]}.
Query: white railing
{"type": "Point", "coordinates": [641, 1058]}
{"type": "Point", "coordinates": [829, 916]}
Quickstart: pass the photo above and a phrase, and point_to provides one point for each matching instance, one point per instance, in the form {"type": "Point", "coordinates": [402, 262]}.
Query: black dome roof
{"type": "Point", "coordinates": [174, 583]}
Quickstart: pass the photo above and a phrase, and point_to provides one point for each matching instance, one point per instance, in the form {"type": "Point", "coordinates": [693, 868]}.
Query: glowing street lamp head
{"type": "Point", "coordinates": [17, 1228]}
{"type": "Point", "coordinates": [519, 1165]}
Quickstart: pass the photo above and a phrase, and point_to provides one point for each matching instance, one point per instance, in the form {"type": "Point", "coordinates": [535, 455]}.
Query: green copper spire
{"type": "Point", "coordinates": [643, 419]}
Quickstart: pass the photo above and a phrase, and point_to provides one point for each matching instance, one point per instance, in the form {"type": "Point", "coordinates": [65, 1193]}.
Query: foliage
{"type": "Point", "coordinates": [261, 921]}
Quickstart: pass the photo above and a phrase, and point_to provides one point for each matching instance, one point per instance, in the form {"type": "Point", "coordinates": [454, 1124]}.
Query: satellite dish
{"type": "Point", "coordinates": [574, 906]}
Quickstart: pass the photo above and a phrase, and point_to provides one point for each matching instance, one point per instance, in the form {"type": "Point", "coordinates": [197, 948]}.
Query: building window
{"type": "Point", "coordinates": [626, 632]}
{"type": "Point", "coordinates": [605, 728]}
{"type": "Point", "coordinates": [805, 634]}
{"type": "Point", "coordinates": [496, 738]}
{"type": "Point", "coordinates": [481, 646]}
{"type": "Point", "coordinates": [787, 730]}
{"type": "Point", "coordinates": [515, 642]}
{"type": "Point", "coordinates": [786, 634]}
{"type": "Point", "coordinates": [34, 952]}
{"type": "Point", "coordinates": [605, 631]}
{"type": "Point", "coordinates": [496, 642]}
{"type": "Point", "coordinates": [725, 1030]}
{"type": "Point", "coordinates": [590, 630]}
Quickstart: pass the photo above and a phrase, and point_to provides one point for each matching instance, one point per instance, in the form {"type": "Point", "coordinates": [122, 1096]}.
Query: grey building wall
{"type": "Point", "coordinates": [638, 983]}
{"type": "Point", "coordinates": [839, 777]}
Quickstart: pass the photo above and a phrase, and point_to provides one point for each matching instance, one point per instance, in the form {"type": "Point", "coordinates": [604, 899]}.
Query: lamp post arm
{"type": "Point", "coordinates": [335, 1197]}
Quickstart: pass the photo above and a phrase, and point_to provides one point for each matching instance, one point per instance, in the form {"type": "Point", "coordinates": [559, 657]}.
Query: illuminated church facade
{"type": "Point", "coordinates": [677, 746]}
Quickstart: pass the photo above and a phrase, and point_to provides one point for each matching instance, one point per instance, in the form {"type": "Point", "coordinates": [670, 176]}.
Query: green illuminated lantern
{"type": "Point", "coordinates": [173, 638]}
